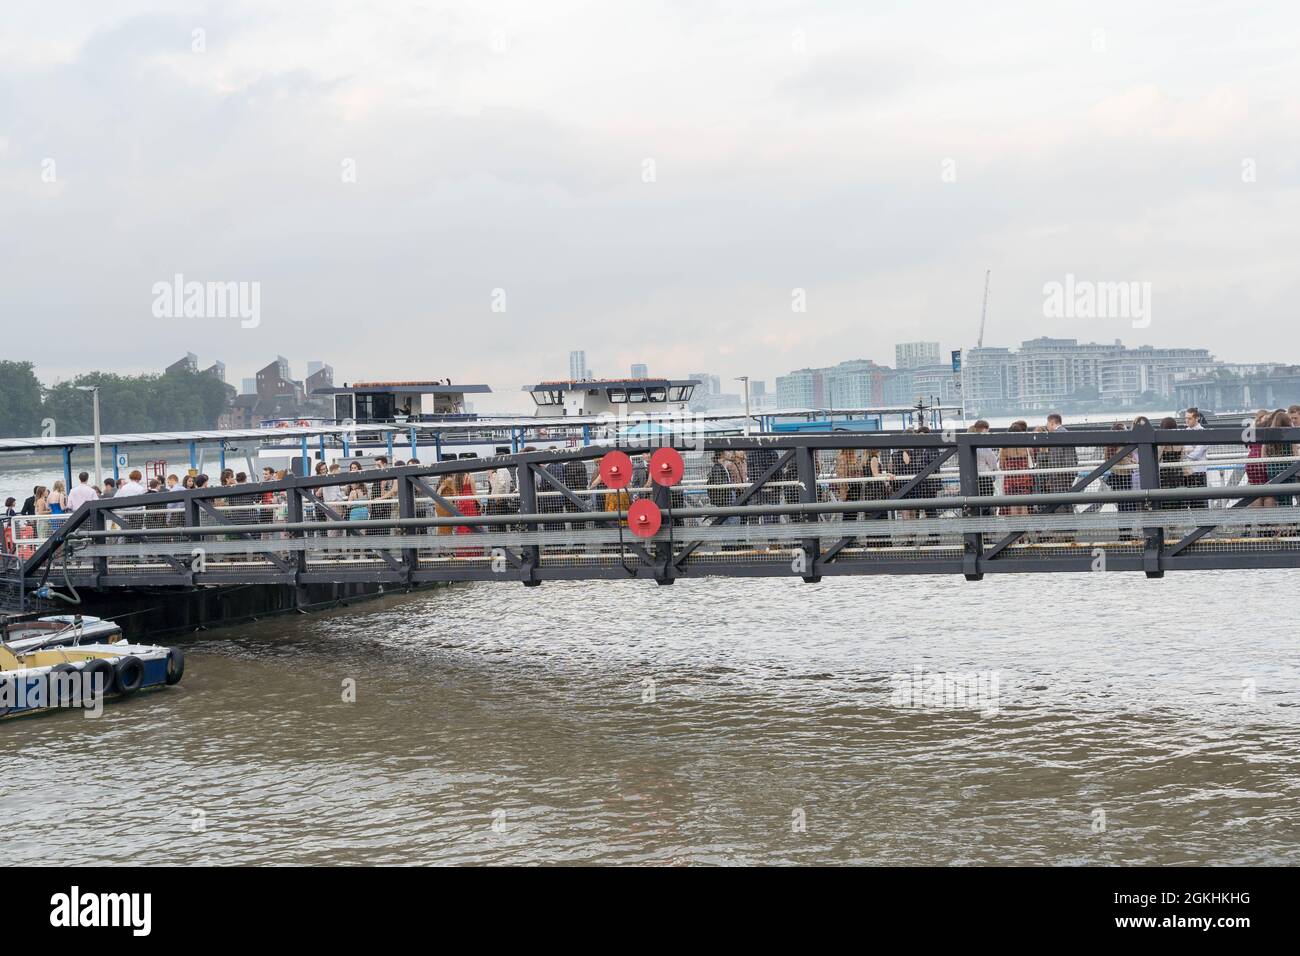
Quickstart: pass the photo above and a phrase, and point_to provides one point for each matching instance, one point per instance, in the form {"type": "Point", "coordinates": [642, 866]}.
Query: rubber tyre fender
{"type": "Point", "coordinates": [88, 672]}
{"type": "Point", "coordinates": [52, 682]}
{"type": "Point", "coordinates": [175, 665]}
{"type": "Point", "coordinates": [128, 675]}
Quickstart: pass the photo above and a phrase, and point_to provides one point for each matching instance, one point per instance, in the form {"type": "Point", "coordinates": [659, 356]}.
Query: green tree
{"type": "Point", "coordinates": [20, 400]}
{"type": "Point", "coordinates": [178, 401]}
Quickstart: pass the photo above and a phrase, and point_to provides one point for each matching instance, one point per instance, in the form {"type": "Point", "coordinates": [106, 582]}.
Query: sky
{"type": "Point", "coordinates": [471, 190]}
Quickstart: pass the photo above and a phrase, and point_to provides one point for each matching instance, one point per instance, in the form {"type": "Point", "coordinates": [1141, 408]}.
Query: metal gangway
{"type": "Point", "coordinates": [807, 505]}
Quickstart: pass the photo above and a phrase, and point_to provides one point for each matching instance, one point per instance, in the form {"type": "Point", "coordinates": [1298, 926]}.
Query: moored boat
{"type": "Point", "coordinates": [45, 677]}
{"type": "Point", "coordinates": [59, 630]}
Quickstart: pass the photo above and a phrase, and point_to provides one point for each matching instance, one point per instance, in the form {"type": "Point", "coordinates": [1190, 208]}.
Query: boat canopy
{"type": "Point", "coordinates": [616, 391]}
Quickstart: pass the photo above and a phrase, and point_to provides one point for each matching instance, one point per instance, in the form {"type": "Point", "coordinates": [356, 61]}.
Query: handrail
{"type": "Point", "coordinates": [302, 490]}
{"type": "Point", "coordinates": [950, 502]}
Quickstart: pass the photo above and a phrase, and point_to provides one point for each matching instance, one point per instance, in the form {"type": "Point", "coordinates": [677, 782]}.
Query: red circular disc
{"type": "Point", "coordinates": [644, 518]}
{"type": "Point", "coordinates": [666, 466]}
{"type": "Point", "coordinates": [616, 469]}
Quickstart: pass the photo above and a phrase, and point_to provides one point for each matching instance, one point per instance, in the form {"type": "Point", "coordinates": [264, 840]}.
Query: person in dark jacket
{"type": "Point", "coordinates": [761, 460]}
{"type": "Point", "coordinates": [1058, 456]}
{"type": "Point", "coordinates": [573, 474]}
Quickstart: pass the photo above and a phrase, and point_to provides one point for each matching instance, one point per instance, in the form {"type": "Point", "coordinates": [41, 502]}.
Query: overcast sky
{"type": "Point", "coordinates": [879, 156]}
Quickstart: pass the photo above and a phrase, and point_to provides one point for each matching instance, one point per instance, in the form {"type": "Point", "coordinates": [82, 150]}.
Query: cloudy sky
{"type": "Point", "coordinates": [650, 181]}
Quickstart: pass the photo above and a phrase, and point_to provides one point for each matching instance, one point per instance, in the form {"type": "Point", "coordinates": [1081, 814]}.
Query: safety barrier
{"type": "Point", "coordinates": [1143, 499]}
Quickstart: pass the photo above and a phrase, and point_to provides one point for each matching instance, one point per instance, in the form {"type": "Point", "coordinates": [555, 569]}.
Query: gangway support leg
{"type": "Point", "coordinates": [968, 477]}
{"type": "Point", "coordinates": [806, 465]}
{"type": "Point", "coordinates": [663, 550]}
{"type": "Point", "coordinates": [532, 554]}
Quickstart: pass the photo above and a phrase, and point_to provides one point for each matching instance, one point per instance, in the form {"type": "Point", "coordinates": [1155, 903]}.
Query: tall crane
{"type": "Point", "coordinates": [984, 310]}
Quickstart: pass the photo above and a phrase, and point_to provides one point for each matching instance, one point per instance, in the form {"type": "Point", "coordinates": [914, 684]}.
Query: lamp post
{"type": "Point", "coordinates": [745, 379]}
{"type": "Point", "coordinates": [94, 398]}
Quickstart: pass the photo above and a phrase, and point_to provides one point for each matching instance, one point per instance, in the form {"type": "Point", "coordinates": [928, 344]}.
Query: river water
{"type": "Point", "coordinates": [711, 722]}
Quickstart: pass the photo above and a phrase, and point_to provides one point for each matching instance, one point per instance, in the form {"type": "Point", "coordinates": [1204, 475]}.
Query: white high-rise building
{"type": "Point", "coordinates": [578, 365]}
{"type": "Point", "coordinates": [916, 354]}
{"type": "Point", "coordinates": [988, 378]}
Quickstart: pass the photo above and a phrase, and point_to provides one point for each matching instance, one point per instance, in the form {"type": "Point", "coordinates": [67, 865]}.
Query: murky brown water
{"type": "Point", "coordinates": [485, 704]}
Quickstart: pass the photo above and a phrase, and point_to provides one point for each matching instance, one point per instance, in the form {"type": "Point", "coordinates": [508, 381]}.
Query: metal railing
{"type": "Point", "coordinates": [807, 505]}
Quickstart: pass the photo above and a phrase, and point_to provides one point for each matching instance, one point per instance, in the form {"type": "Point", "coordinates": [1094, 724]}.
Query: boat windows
{"type": "Point", "coordinates": [617, 396]}
{"type": "Point", "coordinates": [636, 395]}
{"type": "Point", "coordinates": [680, 393]}
{"type": "Point", "coordinates": [375, 406]}
{"type": "Point", "coordinates": [657, 393]}
{"type": "Point", "coordinates": [545, 397]}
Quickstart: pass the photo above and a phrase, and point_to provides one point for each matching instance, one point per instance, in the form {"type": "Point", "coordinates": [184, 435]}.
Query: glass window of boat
{"type": "Point", "coordinates": [374, 406]}
{"type": "Point", "coordinates": [680, 393]}
{"type": "Point", "coordinates": [657, 393]}
{"type": "Point", "coordinates": [617, 396]}
{"type": "Point", "coordinates": [343, 409]}
{"type": "Point", "coordinates": [548, 397]}
{"type": "Point", "coordinates": [636, 394]}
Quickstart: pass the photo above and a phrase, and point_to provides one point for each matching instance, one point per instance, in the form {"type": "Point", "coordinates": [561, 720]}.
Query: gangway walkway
{"type": "Point", "coordinates": [805, 505]}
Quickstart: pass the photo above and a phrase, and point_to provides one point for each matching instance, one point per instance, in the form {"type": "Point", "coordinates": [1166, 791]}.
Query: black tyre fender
{"type": "Point", "coordinates": [175, 665]}
{"type": "Point", "coordinates": [128, 674]}
{"type": "Point", "coordinates": [88, 672]}
{"type": "Point", "coordinates": [54, 682]}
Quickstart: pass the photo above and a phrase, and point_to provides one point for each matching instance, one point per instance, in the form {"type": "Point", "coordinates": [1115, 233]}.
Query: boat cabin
{"type": "Point", "coordinates": [645, 396]}
{"type": "Point", "coordinates": [394, 402]}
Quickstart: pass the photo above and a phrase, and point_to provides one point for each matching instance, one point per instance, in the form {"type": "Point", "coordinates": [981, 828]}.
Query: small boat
{"type": "Point", "coordinates": [58, 674]}
{"type": "Point", "coordinates": [60, 630]}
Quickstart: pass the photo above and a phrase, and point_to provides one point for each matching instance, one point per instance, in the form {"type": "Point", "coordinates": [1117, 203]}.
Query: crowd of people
{"type": "Point", "coordinates": [571, 486]}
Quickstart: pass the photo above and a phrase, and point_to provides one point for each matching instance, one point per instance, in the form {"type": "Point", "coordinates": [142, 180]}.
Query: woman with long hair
{"type": "Point", "coordinates": [58, 497]}
{"type": "Point", "coordinates": [1257, 471]}
{"type": "Point", "coordinates": [848, 468]}
{"type": "Point", "coordinates": [1016, 464]}
{"type": "Point", "coordinates": [1120, 476]}
{"type": "Point", "coordinates": [1281, 451]}
{"type": "Point", "coordinates": [447, 489]}
{"type": "Point", "coordinates": [1171, 467]}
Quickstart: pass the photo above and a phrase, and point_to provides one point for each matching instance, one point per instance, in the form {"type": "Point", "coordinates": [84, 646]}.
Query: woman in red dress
{"type": "Point", "coordinates": [467, 506]}
{"type": "Point", "coordinates": [1016, 460]}
{"type": "Point", "coordinates": [1257, 472]}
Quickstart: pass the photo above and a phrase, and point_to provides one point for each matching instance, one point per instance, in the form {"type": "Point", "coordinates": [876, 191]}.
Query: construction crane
{"type": "Point", "coordinates": [984, 310]}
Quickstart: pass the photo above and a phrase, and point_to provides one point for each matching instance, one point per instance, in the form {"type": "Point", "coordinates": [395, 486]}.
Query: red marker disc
{"type": "Point", "coordinates": [616, 469]}
{"type": "Point", "coordinates": [666, 466]}
{"type": "Point", "coordinates": [644, 518]}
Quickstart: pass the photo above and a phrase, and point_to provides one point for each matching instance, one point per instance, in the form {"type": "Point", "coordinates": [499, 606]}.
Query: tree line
{"type": "Point", "coordinates": [170, 401]}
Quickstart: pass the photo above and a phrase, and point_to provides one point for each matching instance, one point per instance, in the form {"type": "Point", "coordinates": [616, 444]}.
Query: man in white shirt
{"type": "Point", "coordinates": [131, 487]}
{"type": "Point", "coordinates": [1195, 475]}
{"type": "Point", "coordinates": [83, 492]}
{"type": "Point", "coordinates": [986, 462]}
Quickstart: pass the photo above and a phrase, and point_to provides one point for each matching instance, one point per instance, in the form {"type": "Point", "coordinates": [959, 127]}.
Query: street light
{"type": "Point", "coordinates": [745, 379]}
{"type": "Point", "coordinates": [94, 393]}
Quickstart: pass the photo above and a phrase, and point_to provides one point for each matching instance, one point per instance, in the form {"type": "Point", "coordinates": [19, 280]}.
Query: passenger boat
{"type": "Point", "coordinates": [432, 421]}
{"type": "Point", "coordinates": [49, 674]}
